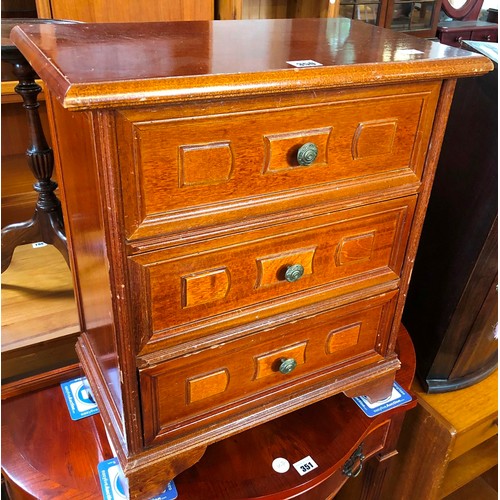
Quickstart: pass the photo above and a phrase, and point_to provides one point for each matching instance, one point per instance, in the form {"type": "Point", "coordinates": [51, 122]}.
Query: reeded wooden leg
{"type": "Point", "coordinates": [47, 223]}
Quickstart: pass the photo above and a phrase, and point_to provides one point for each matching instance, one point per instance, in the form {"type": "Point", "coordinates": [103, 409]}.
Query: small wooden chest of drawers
{"type": "Point", "coordinates": [455, 32]}
{"type": "Point", "coordinates": [242, 227]}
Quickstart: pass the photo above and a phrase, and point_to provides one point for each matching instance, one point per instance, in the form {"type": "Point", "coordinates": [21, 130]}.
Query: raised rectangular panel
{"type": "Point", "coordinates": [343, 338]}
{"type": "Point", "coordinates": [374, 138]}
{"type": "Point", "coordinates": [203, 164]}
{"type": "Point", "coordinates": [268, 363]}
{"type": "Point", "coordinates": [205, 286]}
{"type": "Point", "coordinates": [280, 150]}
{"type": "Point", "coordinates": [205, 386]}
{"type": "Point", "coordinates": [355, 248]}
{"type": "Point", "coordinates": [271, 269]}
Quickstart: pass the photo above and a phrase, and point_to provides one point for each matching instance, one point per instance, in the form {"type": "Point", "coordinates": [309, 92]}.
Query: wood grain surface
{"type": "Point", "coordinates": [185, 177]}
{"type": "Point", "coordinates": [102, 65]}
{"type": "Point", "coordinates": [56, 457]}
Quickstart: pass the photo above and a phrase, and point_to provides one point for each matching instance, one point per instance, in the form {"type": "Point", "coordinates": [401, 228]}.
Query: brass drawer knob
{"type": "Point", "coordinates": [294, 273]}
{"type": "Point", "coordinates": [287, 365]}
{"type": "Point", "coordinates": [307, 153]}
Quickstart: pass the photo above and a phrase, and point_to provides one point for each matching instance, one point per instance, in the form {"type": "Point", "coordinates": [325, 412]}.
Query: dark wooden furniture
{"type": "Point", "coordinates": [274, 9]}
{"type": "Point", "coordinates": [38, 452]}
{"type": "Point", "coordinates": [462, 10]}
{"type": "Point", "coordinates": [242, 230]}
{"type": "Point", "coordinates": [451, 311]}
{"type": "Point", "coordinates": [47, 224]}
{"type": "Point", "coordinates": [454, 33]}
{"type": "Point", "coordinates": [418, 18]}
{"type": "Point", "coordinates": [492, 16]}
{"type": "Point", "coordinates": [448, 441]}
{"type": "Point", "coordinates": [113, 11]}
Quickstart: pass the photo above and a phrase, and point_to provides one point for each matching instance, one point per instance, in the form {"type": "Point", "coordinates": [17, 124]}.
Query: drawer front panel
{"type": "Point", "coordinates": [487, 35]}
{"type": "Point", "coordinates": [203, 170]}
{"type": "Point", "coordinates": [183, 393]}
{"type": "Point", "coordinates": [196, 287]}
{"type": "Point", "coordinates": [455, 38]}
{"type": "Point", "coordinates": [475, 435]}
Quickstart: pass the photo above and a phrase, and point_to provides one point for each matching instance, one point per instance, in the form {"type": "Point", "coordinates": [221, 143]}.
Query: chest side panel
{"type": "Point", "coordinates": [78, 164]}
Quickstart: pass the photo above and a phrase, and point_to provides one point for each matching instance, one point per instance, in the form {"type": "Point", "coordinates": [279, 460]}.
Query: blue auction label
{"type": "Point", "coordinates": [79, 398]}
{"type": "Point", "coordinates": [113, 483]}
{"type": "Point", "coordinates": [398, 397]}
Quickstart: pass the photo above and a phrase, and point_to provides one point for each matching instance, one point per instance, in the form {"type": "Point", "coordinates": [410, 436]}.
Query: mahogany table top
{"type": "Point", "coordinates": [99, 65]}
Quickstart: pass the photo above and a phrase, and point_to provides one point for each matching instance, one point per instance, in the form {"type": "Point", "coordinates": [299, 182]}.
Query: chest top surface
{"type": "Point", "coordinates": [104, 65]}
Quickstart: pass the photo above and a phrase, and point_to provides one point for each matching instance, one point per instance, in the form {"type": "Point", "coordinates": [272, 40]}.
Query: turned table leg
{"type": "Point", "coordinates": [47, 223]}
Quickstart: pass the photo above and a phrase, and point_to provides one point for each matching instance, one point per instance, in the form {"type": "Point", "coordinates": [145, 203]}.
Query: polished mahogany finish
{"type": "Point", "coordinates": [231, 58]}
{"type": "Point", "coordinates": [36, 457]}
{"type": "Point", "coordinates": [464, 10]}
{"type": "Point", "coordinates": [222, 280]}
{"type": "Point", "coordinates": [454, 33]}
{"type": "Point", "coordinates": [122, 11]}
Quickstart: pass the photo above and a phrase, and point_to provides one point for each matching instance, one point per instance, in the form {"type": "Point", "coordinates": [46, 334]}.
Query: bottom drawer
{"type": "Point", "coordinates": [192, 392]}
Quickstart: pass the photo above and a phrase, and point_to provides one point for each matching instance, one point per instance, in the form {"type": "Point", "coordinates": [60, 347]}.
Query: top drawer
{"type": "Point", "coordinates": [195, 166]}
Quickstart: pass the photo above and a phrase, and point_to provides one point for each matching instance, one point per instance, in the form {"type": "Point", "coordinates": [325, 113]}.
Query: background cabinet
{"type": "Point", "coordinates": [451, 310]}
{"type": "Point", "coordinates": [274, 9]}
{"type": "Point", "coordinates": [418, 18]}
{"type": "Point", "coordinates": [454, 33]}
{"type": "Point", "coordinates": [448, 447]}
{"type": "Point", "coordinates": [100, 11]}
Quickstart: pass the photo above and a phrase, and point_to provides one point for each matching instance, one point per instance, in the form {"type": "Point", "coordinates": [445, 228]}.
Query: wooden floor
{"type": "Point", "coordinates": [38, 302]}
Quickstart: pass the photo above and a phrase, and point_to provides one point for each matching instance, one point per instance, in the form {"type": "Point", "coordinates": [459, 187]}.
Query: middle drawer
{"type": "Point", "coordinates": [197, 289]}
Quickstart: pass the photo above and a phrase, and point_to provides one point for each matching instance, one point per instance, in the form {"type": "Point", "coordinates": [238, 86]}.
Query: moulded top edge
{"type": "Point", "coordinates": [104, 65]}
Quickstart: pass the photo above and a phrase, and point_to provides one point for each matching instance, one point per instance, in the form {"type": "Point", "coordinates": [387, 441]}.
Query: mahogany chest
{"type": "Point", "coordinates": [454, 33]}
{"type": "Point", "coordinates": [243, 202]}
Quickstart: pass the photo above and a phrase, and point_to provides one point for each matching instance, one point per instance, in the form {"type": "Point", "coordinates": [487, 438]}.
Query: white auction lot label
{"type": "Point", "coordinates": [305, 63]}
{"type": "Point", "coordinates": [305, 465]}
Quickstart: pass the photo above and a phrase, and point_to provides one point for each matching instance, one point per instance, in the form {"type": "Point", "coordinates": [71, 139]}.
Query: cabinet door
{"type": "Point", "coordinates": [100, 11]}
{"type": "Point", "coordinates": [274, 9]}
{"type": "Point", "coordinates": [419, 18]}
{"type": "Point", "coordinates": [369, 11]}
